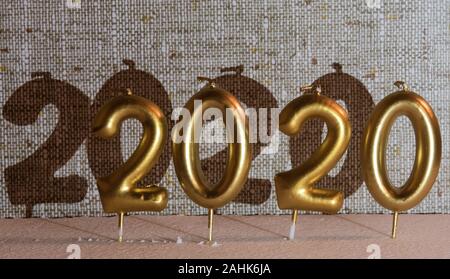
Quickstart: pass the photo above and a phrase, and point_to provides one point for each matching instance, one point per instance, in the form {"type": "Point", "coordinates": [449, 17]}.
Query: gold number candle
{"type": "Point", "coordinates": [118, 191]}
{"type": "Point", "coordinates": [186, 152]}
{"type": "Point", "coordinates": [428, 151]}
{"type": "Point", "coordinates": [295, 188]}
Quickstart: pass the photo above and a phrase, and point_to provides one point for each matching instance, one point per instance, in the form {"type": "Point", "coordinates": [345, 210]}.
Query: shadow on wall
{"type": "Point", "coordinates": [32, 180]}
{"type": "Point", "coordinates": [359, 104]}
{"type": "Point", "coordinates": [105, 156]}
{"type": "Point", "coordinates": [254, 95]}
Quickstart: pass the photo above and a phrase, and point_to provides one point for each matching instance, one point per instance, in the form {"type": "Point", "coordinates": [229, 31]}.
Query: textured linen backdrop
{"type": "Point", "coordinates": [49, 160]}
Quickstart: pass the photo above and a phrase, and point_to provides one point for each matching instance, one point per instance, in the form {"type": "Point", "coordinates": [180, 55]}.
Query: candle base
{"type": "Point", "coordinates": [121, 216]}
{"type": "Point", "coordinates": [394, 225]}
{"type": "Point", "coordinates": [293, 225]}
{"type": "Point", "coordinates": [292, 232]}
{"type": "Point", "coordinates": [210, 224]}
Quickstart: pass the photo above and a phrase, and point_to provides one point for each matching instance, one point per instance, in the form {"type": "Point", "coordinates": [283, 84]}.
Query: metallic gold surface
{"type": "Point", "coordinates": [210, 223]}
{"type": "Point", "coordinates": [394, 225]}
{"type": "Point", "coordinates": [118, 191]}
{"type": "Point", "coordinates": [121, 217]}
{"type": "Point", "coordinates": [428, 150]}
{"type": "Point", "coordinates": [295, 188]}
{"type": "Point", "coordinates": [294, 216]}
{"type": "Point", "coordinates": [186, 155]}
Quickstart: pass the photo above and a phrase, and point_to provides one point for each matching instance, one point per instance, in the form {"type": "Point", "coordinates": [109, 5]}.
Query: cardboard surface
{"type": "Point", "coordinates": [317, 236]}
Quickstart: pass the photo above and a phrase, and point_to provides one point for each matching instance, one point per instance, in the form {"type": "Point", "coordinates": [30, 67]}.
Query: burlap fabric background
{"type": "Point", "coordinates": [49, 161]}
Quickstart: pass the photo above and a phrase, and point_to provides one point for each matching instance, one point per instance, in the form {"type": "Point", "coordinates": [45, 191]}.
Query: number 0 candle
{"type": "Point", "coordinates": [428, 151]}
{"type": "Point", "coordinates": [186, 156]}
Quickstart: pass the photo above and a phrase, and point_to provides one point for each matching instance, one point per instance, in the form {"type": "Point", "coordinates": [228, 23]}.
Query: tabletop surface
{"type": "Point", "coordinates": [317, 236]}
